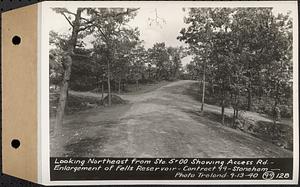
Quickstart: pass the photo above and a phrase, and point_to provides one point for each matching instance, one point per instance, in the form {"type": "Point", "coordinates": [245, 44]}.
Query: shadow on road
{"type": "Point", "coordinates": [84, 146]}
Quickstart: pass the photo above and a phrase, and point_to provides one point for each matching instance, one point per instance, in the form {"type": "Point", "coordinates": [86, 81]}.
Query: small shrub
{"type": "Point", "coordinates": [114, 100]}
{"type": "Point", "coordinates": [286, 111]}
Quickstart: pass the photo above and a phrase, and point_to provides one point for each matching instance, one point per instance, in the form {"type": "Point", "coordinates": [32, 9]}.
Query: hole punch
{"type": "Point", "coordinates": [15, 143]}
{"type": "Point", "coordinates": [16, 40]}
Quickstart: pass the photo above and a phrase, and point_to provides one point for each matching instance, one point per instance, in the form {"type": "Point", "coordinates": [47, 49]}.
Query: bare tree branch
{"type": "Point", "coordinates": [86, 27]}
{"type": "Point", "coordinates": [103, 34]}
{"type": "Point", "coordinates": [67, 19]}
{"type": "Point", "coordinates": [68, 12]}
{"type": "Point", "coordinates": [128, 11]}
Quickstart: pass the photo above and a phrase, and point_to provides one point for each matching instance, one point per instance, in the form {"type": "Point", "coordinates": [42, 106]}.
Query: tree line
{"type": "Point", "coordinates": [117, 56]}
{"type": "Point", "coordinates": [240, 54]}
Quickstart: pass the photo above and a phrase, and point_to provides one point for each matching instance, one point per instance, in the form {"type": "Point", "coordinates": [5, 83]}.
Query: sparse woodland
{"type": "Point", "coordinates": [241, 58]}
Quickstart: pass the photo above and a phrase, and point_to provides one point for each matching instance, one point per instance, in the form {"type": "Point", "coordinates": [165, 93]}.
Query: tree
{"type": "Point", "coordinates": [67, 62]}
{"type": "Point", "coordinates": [251, 36]}
{"type": "Point", "coordinates": [166, 61]}
{"type": "Point", "coordinates": [110, 25]}
{"type": "Point", "coordinates": [160, 57]}
{"type": "Point", "coordinates": [138, 59]}
{"type": "Point", "coordinates": [58, 45]}
{"type": "Point", "coordinates": [175, 66]}
{"type": "Point", "coordinates": [263, 41]}
{"type": "Point", "coordinates": [206, 26]}
{"type": "Point", "coordinates": [199, 37]}
{"type": "Point", "coordinates": [193, 70]}
{"type": "Point", "coordinates": [125, 50]}
{"type": "Point", "coordinates": [277, 73]}
{"type": "Point", "coordinates": [80, 27]}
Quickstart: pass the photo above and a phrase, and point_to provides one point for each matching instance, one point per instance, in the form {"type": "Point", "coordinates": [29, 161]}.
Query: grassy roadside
{"type": "Point", "coordinates": [258, 125]}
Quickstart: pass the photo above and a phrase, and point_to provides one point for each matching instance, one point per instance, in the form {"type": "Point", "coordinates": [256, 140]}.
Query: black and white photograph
{"type": "Point", "coordinates": [171, 81]}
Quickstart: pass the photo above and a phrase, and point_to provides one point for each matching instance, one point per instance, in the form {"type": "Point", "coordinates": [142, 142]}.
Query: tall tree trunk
{"type": "Point", "coordinates": [63, 95]}
{"type": "Point", "coordinates": [108, 84]}
{"type": "Point", "coordinates": [234, 117]}
{"type": "Point", "coordinates": [124, 86]}
{"type": "Point", "coordinates": [97, 84]}
{"type": "Point", "coordinates": [102, 90]}
{"type": "Point", "coordinates": [119, 86]}
{"type": "Point", "coordinates": [276, 113]}
{"type": "Point", "coordinates": [67, 64]}
{"type": "Point", "coordinates": [136, 84]}
{"type": "Point", "coordinates": [203, 89]}
{"type": "Point", "coordinates": [249, 107]}
{"type": "Point", "coordinates": [158, 74]}
{"type": "Point", "coordinates": [116, 85]}
{"type": "Point", "coordinates": [223, 112]}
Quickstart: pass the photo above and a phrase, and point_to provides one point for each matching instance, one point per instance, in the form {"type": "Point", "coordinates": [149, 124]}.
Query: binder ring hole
{"type": "Point", "coordinates": [16, 40]}
{"type": "Point", "coordinates": [15, 143]}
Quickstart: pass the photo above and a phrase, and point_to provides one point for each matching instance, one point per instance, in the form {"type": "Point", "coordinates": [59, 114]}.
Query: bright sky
{"type": "Point", "coordinates": [166, 31]}
{"type": "Point", "coordinates": [171, 23]}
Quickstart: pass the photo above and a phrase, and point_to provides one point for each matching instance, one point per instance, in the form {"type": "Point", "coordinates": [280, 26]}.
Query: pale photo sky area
{"type": "Point", "coordinates": [164, 32]}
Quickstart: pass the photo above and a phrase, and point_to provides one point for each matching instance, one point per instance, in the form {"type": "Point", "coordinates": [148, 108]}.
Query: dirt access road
{"type": "Point", "coordinates": [160, 123]}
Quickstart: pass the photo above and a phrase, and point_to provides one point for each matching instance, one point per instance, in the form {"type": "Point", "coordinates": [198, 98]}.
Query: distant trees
{"type": "Point", "coordinates": [166, 61]}
{"type": "Point", "coordinates": [193, 69]}
{"type": "Point", "coordinates": [159, 56]}
{"type": "Point", "coordinates": [175, 65]}
{"type": "Point", "coordinates": [138, 59]}
{"type": "Point", "coordinates": [247, 52]}
{"type": "Point", "coordinates": [110, 28]}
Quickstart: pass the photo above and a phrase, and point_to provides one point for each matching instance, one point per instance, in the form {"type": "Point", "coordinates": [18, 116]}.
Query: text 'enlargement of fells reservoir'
{"type": "Point", "coordinates": [169, 169]}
